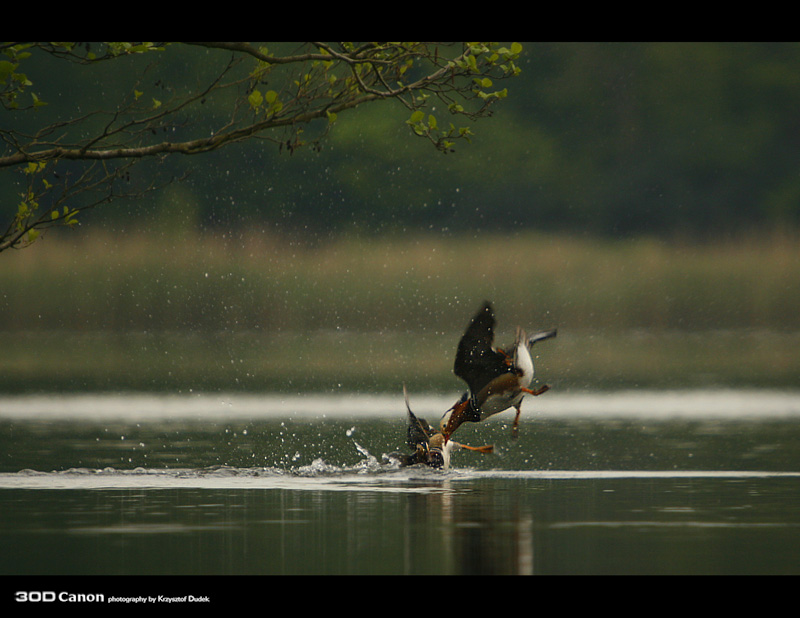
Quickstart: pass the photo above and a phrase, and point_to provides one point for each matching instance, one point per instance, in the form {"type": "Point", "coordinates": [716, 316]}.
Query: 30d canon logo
{"type": "Point", "coordinates": [47, 596]}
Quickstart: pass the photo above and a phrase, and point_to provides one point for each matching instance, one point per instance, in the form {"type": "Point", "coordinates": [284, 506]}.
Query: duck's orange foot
{"type": "Point", "coordinates": [488, 448]}
{"type": "Point", "coordinates": [538, 391]}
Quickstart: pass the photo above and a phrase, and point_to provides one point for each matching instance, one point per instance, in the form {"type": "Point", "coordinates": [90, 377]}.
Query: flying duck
{"type": "Point", "coordinates": [497, 379]}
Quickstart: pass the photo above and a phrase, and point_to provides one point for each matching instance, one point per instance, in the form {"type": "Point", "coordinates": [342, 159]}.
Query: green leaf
{"type": "Point", "coordinates": [33, 167]}
{"type": "Point", "coordinates": [416, 117]}
{"type": "Point", "coordinates": [255, 99]}
{"type": "Point", "coordinates": [23, 210]}
{"type": "Point", "coordinates": [6, 69]}
{"type": "Point", "coordinates": [70, 216]}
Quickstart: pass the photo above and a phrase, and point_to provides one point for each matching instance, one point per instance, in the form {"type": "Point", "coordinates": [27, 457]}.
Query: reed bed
{"type": "Point", "coordinates": [220, 282]}
{"type": "Point", "coordinates": [260, 311]}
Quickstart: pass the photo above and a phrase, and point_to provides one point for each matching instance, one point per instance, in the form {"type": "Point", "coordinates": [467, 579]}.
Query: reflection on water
{"type": "Point", "coordinates": [162, 486]}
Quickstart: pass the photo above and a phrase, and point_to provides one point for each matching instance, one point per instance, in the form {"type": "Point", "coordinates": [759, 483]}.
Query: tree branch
{"type": "Point", "coordinates": [329, 79]}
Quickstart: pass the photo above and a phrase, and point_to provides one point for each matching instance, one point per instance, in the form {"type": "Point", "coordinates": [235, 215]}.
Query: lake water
{"type": "Point", "coordinates": [694, 482]}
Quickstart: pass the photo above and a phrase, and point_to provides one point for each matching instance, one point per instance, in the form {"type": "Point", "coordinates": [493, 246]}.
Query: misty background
{"type": "Point", "coordinates": [641, 197]}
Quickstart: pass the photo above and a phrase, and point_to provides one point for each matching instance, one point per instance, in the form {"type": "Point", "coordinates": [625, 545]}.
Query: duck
{"type": "Point", "coordinates": [428, 446]}
{"type": "Point", "coordinates": [497, 378]}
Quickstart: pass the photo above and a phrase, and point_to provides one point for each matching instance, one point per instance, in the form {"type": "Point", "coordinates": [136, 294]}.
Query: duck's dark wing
{"type": "Point", "coordinates": [417, 457]}
{"type": "Point", "coordinates": [419, 431]}
{"type": "Point", "coordinates": [477, 362]}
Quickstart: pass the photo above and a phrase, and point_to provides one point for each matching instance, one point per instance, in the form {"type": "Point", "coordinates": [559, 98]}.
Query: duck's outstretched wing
{"type": "Point", "coordinates": [532, 339]}
{"type": "Point", "coordinates": [541, 336]}
{"type": "Point", "coordinates": [419, 431]}
{"type": "Point", "coordinates": [477, 362]}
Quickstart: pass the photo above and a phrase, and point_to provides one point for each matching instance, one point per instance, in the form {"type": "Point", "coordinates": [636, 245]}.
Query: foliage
{"type": "Point", "coordinates": [608, 139]}
{"type": "Point", "coordinates": [82, 159]}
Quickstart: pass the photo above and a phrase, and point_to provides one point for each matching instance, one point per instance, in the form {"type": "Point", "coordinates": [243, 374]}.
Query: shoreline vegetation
{"type": "Point", "coordinates": [225, 311]}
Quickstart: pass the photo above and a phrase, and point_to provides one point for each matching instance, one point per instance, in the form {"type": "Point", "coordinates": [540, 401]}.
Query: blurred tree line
{"type": "Point", "coordinates": [602, 138]}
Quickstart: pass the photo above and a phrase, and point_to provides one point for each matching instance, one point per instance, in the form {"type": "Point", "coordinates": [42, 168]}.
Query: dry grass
{"type": "Point", "coordinates": [268, 312]}
{"type": "Point", "coordinates": [417, 283]}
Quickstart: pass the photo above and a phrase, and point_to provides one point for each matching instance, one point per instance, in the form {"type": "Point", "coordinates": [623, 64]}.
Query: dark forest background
{"type": "Point", "coordinates": [615, 139]}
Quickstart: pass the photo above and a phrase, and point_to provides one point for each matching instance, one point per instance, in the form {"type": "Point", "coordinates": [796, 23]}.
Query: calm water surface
{"type": "Point", "coordinates": [616, 483]}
